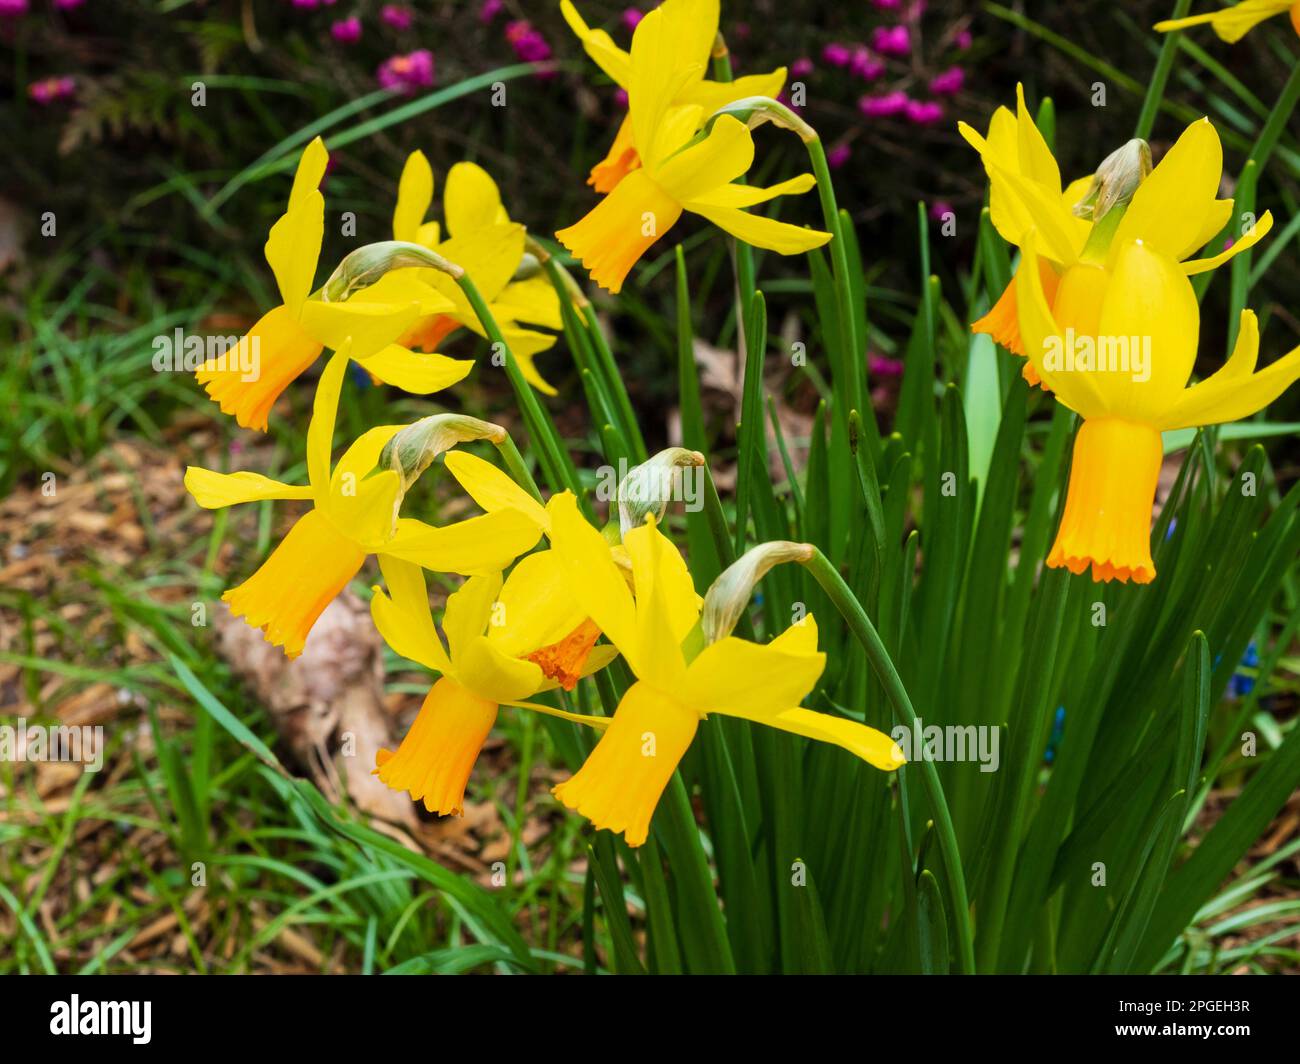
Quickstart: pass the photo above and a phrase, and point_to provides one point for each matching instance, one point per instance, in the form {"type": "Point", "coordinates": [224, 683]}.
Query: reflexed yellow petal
{"type": "Point", "coordinates": [312, 564]}
{"type": "Point", "coordinates": [478, 545]}
{"type": "Point", "coordinates": [1149, 313]}
{"type": "Point", "coordinates": [621, 228]}
{"type": "Point", "coordinates": [1231, 23]}
{"type": "Point", "coordinates": [471, 200]}
{"type": "Point", "coordinates": [660, 71]}
{"type": "Point", "coordinates": [368, 516]}
{"type": "Point", "coordinates": [320, 430]}
{"type": "Point", "coordinates": [370, 326]}
{"type": "Point", "coordinates": [874, 747]}
{"type": "Point", "coordinates": [621, 781]}
{"type": "Point", "coordinates": [495, 675]}
{"type": "Point", "coordinates": [493, 489]}
{"type": "Point", "coordinates": [435, 759]}
{"type": "Point", "coordinates": [468, 611]}
{"type": "Point", "coordinates": [414, 195]}
{"type": "Point", "coordinates": [417, 373]}
{"type": "Point", "coordinates": [1249, 239]}
{"type": "Point", "coordinates": [1035, 158]}
{"type": "Point", "coordinates": [293, 248]}
{"type": "Point", "coordinates": [251, 376]}
{"type": "Point", "coordinates": [742, 679]}
{"type": "Point", "coordinates": [711, 96]}
{"type": "Point", "coordinates": [693, 25]}
{"type": "Point", "coordinates": [1216, 219]}
{"type": "Point", "coordinates": [537, 609]}
{"type": "Point", "coordinates": [310, 171]}
{"type": "Point", "coordinates": [658, 568]}
{"type": "Point", "coordinates": [741, 196]}
{"type": "Point", "coordinates": [598, 44]}
{"type": "Point", "coordinates": [353, 491]}
{"type": "Point", "coordinates": [594, 579]}
{"type": "Point", "coordinates": [1170, 208]}
{"type": "Point", "coordinates": [213, 490]}
{"type": "Point", "coordinates": [1235, 392]}
{"type": "Point", "coordinates": [407, 285]}
{"type": "Point", "coordinates": [724, 155]}
{"type": "Point", "coordinates": [761, 232]}
{"type": "Point", "coordinates": [1107, 518]}
{"type": "Point", "coordinates": [532, 300]}
{"type": "Point", "coordinates": [489, 255]}
{"type": "Point", "coordinates": [403, 617]}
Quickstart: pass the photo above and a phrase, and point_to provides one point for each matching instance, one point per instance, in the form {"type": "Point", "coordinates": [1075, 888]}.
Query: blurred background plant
{"type": "Point", "coordinates": [148, 147]}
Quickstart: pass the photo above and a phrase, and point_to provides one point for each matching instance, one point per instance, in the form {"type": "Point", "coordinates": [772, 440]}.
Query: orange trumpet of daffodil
{"type": "Point", "coordinates": [619, 785]}
{"type": "Point", "coordinates": [1233, 23]}
{"type": "Point", "coordinates": [695, 27]}
{"type": "Point", "coordinates": [492, 628]}
{"type": "Point", "coordinates": [679, 171]}
{"type": "Point", "coordinates": [353, 515]}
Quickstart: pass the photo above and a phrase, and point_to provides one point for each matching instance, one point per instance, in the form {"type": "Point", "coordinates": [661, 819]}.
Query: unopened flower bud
{"type": "Point", "coordinates": [1115, 181]}
{"type": "Point", "coordinates": [650, 486]}
{"type": "Point", "coordinates": [730, 593]}
{"type": "Point", "coordinates": [755, 110]}
{"type": "Point", "coordinates": [412, 450]}
{"type": "Point", "coordinates": [363, 267]}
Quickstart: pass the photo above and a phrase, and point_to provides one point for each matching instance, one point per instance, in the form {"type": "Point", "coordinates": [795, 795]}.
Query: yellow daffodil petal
{"type": "Point", "coordinates": [660, 70]}
{"type": "Point", "coordinates": [1107, 519]}
{"type": "Point", "coordinates": [724, 155]}
{"type": "Point", "coordinates": [620, 783]}
{"type": "Point", "coordinates": [312, 564]}
{"type": "Point", "coordinates": [248, 379]}
{"type": "Point", "coordinates": [435, 758]}
{"type": "Point", "coordinates": [1249, 239]}
{"type": "Point", "coordinates": [1150, 314]}
{"type": "Point", "coordinates": [493, 490]}
{"type": "Point", "coordinates": [407, 285]}
{"type": "Point", "coordinates": [621, 228]}
{"type": "Point", "coordinates": [293, 248]}
{"type": "Point", "coordinates": [490, 673]}
{"type": "Point", "coordinates": [1232, 23]}
{"type": "Point", "coordinates": [594, 580]}
{"type": "Point", "coordinates": [311, 169]}
{"type": "Point", "coordinates": [711, 96]}
{"type": "Point", "coordinates": [414, 195]}
{"type": "Point", "coordinates": [370, 326]}
{"type": "Point", "coordinates": [213, 490]}
{"type": "Point", "coordinates": [471, 201]}
{"type": "Point", "coordinates": [485, 544]}
{"type": "Point", "coordinates": [1036, 160]}
{"type": "Point", "coordinates": [761, 232]}
{"type": "Point", "coordinates": [532, 300]}
{"type": "Point", "coordinates": [536, 608]}
{"type": "Point", "coordinates": [739, 678]}
{"type": "Point", "coordinates": [598, 44]}
{"type": "Point", "coordinates": [1216, 218]}
{"type": "Point", "coordinates": [658, 568]}
{"type": "Point", "coordinates": [872, 746]}
{"type": "Point", "coordinates": [403, 618]}
{"type": "Point", "coordinates": [489, 255]}
{"type": "Point", "coordinates": [320, 430]}
{"type": "Point", "coordinates": [741, 196]}
{"type": "Point", "coordinates": [416, 373]}
{"type": "Point", "coordinates": [468, 611]}
{"type": "Point", "coordinates": [1169, 208]}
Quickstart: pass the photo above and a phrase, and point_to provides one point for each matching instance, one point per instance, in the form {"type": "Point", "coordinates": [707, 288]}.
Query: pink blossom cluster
{"type": "Point", "coordinates": [407, 73]}
{"type": "Point", "coordinates": [52, 90]}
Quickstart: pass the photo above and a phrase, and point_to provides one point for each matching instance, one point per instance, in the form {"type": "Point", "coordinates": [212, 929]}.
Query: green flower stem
{"type": "Point", "coordinates": [555, 459]}
{"type": "Point", "coordinates": [851, 610]}
{"type": "Point", "coordinates": [1160, 76]}
{"type": "Point", "coordinates": [850, 341]}
{"type": "Point", "coordinates": [517, 469]}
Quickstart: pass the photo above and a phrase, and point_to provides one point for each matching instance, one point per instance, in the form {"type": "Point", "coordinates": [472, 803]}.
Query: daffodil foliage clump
{"type": "Point", "coordinates": [947, 698]}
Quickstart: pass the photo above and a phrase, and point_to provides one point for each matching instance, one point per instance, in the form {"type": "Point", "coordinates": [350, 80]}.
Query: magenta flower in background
{"type": "Point", "coordinates": [837, 55]}
{"type": "Point", "coordinates": [346, 30]}
{"type": "Point", "coordinates": [882, 366]}
{"type": "Point", "coordinates": [632, 18]}
{"type": "Point", "coordinates": [887, 5]}
{"type": "Point", "coordinates": [67, 5]}
{"type": "Point", "coordinates": [407, 73]}
{"type": "Point", "coordinates": [397, 17]}
{"type": "Point", "coordinates": [306, 5]}
{"type": "Point", "coordinates": [923, 112]}
{"type": "Point", "coordinates": [52, 90]}
{"type": "Point", "coordinates": [529, 45]}
{"type": "Point", "coordinates": [892, 40]}
{"type": "Point", "coordinates": [13, 8]}
{"type": "Point", "coordinates": [620, 97]}
{"type": "Point", "coordinates": [938, 209]}
{"type": "Point", "coordinates": [949, 82]}
{"type": "Point", "coordinates": [864, 65]}
{"type": "Point", "coordinates": [962, 39]}
{"type": "Point", "coordinates": [891, 103]}
{"type": "Point", "coordinates": [490, 10]}
{"type": "Point", "coordinates": [837, 156]}
{"type": "Point", "coordinates": [801, 68]}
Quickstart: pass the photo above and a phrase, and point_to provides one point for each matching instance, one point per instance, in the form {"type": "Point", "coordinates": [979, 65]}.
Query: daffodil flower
{"type": "Point", "coordinates": [353, 515]}
{"type": "Point", "coordinates": [247, 380]}
{"type": "Point", "coordinates": [1128, 382]}
{"type": "Point", "coordinates": [1175, 207]}
{"type": "Point", "coordinates": [492, 628]}
{"type": "Point", "coordinates": [678, 171]}
{"type": "Point", "coordinates": [487, 245]}
{"type": "Point", "coordinates": [1233, 23]}
{"type": "Point", "coordinates": [622, 779]}
{"type": "Point", "coordinates": [694, 23]}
